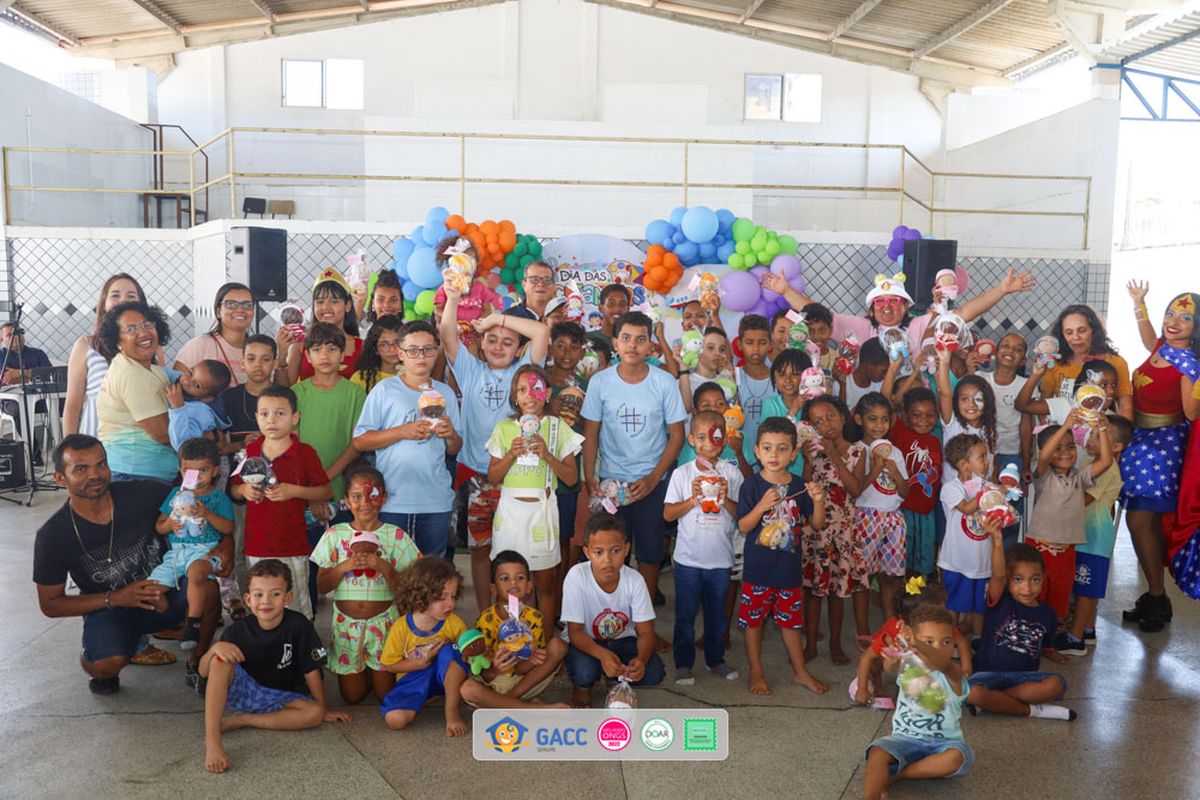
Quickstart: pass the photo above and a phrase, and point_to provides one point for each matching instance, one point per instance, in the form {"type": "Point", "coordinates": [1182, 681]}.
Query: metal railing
{"type": "Point", "coordinates": [921, 188]}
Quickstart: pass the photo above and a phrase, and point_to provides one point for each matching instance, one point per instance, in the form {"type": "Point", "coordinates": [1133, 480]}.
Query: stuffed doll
{"type": "Point", "coordinates": [472, 647]}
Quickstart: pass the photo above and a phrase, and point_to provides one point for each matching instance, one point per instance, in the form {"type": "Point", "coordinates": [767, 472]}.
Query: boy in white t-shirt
{"type": "Point", "coordinates": [966, 556]}
{"type": "Point", "coordinates": [701, 497]}
{"type": "Point", "coordinates": [608, 614]}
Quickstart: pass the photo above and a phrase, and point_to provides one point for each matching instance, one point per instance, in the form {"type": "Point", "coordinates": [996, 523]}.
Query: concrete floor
{"type": "Point", "coordinates": [1137, 732]}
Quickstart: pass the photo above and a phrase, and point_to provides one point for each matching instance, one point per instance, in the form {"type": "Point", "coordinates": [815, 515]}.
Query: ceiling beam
{"type": "Point", "coordinates": [54, 31]}
{"type": "Point", "coordinates": [855, 16]}
{"type": "Point", "coordinates": [4, 4]}
{"type": "Point", "coordinates": [154, 10]}
{"type": "Point", "coordinates": [1074, 38]}
{"type": "Point", "coordinates": [750, 9]}
{"type": "Point", "coordinates": [1036, 62]}
{"type": "Point", "coordinates": [264, 9]}
{"type": "Point", "coordinates": [366, 4]}
{"type": "Point", "coordinates": [959, 28]}
{"type": "Point", "coordinates": [1161, 46]}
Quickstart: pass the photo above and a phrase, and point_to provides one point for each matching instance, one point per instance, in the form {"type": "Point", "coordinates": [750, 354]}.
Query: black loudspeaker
{"type": "Point", "coordinates": [259, 260]}
{"type": "Point", "coordinates": [923, 258]}
{"type": "Point", "coordinates": [12, 466]}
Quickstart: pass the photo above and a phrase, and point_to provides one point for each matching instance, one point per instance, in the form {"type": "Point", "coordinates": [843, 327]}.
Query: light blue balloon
{"type": "Point", "coordinates": [677, 216]}
{"type": "Point", "coordinates": [402, 248]}
{"type": "Point", "coordinates": [437, 214]}
{"type": "Point", "coordinates": [688, 252]}
{"type": "Point", "coordinates": [725, 251]}
{"type": "Point", "coordinates": [719, 239]}
{"type": "Point", "coordinates": [679, 238]}
{"type": "Point", "coordinates": [410, 291]}
{"type": "Point", "coordinates": [434, 232]}
{"type": "Point", "coordinates": [400, 268]}
{"type": "Point", "coordinates": [668, 244]}
{"type": "Point", "coordinates": [418, 235]}
{"type": "Point", "coordinates": [423, 269]}
{"type": "Point", "coordinates": [707, 251]}
{"type": "Point", "coordinates": [658, 230]}
{"type": "Point", "coordinates": [900, 260]}
{"type": "Point", "coordinates": [725, 217]}
{"type": "Point", "coordinates": [700, 224]}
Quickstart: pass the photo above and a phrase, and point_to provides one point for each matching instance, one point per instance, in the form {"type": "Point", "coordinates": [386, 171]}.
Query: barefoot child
{"type": "Point", "coordinates": [924, 743]}
{"type": "Point", "coordinates": [266, 668]}
{"type": "Point", "coordinates": [608, 614]}
{"type": "Point", "coordinates": [193, 534]}
{"type": "Point", "coordinates": [361, 582]}
{"type": "Point", "coordinates": [524, 678]}
{"type": "Point", "coordinates": [774, 509]}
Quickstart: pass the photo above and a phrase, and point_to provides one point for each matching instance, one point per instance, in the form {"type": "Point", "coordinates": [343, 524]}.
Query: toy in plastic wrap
{"type": "Point", "coordinates": [1089, 400]}
{"type": "Point", "coordinates": [798, 336]}
{"type": "Point", "coordinates": [950, 332]}
{"type": "Point", "coordinates": [363, 543]}
{"type": "Point", "coordinates": [460, 266]}
{"type": "Point", "coordinates": [254, 470]}
{"type": "Point", "coordinates": [311, 519]}
{"type": "Point", "coordinates": [613, 495]}
{"type": "Point", "coordinates": [589, 362]}
{"type": "Point", "coordinates": [805, 433]}
{"type": "Point", "coordinates": [570, 404]}
{"type": "Point", "coordinates": [358, 273]}
{"type": "Point", "coordinates": [431, 405]}
{"type": "Point", "coordinates": [710, 296]}
{"type": "Point", "coordinates": [529, 424]}
{"type": "Point", "coordinates": [993, 505]}
{"type": "Point", "coordinates": [621, 695]}
{"type": "Point", "coordinates": [1046, 355]}
{"type": "Point", "coordinates": [515, 635]}
{"type": "Point", "coordinates": [929, 365]}
{"type": "Point", "coordinates": [882, 449]}
{"type": "Point", "coordinates": [291, 317]}
{"type": "Point", "coordinates": [945, 289]}
{"type": "Point", "coordinates": [918, 683]}
{"type": "Point", "coordinates": [575, 302]}
{"type": "Point", "coordinates": [1010, 479]}
{"type": "Point", "coordinates": [895, 342]}
{"type": "Point", "coordinates": [735, 419]}
{"type": "Point", "coordinates": [985, 349]}
{"type": "Point", "coordinates": [472, 647]}
{"type": "Point", "coordinates": [710, 485]}
{"type": "Point", "coordinates": [181, 511]}
{"type": "Point", "coordinates": [776, 534]}
{"type": "Point", "coordinates": [727, 386]}
{"type": "Point", "coordinates": [812, 383]}
{"type": "Point", "coordinates": [690, 346]}
{"type": "Point", "coordinates": [651, 310]}
{"type": "Point", "coordinates": [847, 356]}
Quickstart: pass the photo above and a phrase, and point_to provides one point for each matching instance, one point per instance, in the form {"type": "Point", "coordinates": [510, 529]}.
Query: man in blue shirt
{"type": "Point", "coordinates": [14, 354]}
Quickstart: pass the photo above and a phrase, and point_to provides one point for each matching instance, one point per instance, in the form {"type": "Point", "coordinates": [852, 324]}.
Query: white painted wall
{"type": "Point", "coordinates": [35, 113]}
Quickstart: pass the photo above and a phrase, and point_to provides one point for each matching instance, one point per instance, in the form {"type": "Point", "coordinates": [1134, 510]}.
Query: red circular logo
{"type": "Point", "coordinates": [614, 734]}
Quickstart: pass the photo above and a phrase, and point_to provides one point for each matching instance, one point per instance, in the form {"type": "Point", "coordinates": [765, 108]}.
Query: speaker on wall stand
{"type": "Point", "coordinates": [258, 258]}
{"type": "Point", "coordinates": [923, 259]}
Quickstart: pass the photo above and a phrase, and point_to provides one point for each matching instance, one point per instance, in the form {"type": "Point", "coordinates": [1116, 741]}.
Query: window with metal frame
{"type": "Point", "coordinates": [788, 97]}
{"type": "Point", "coordinates": [334, 83]}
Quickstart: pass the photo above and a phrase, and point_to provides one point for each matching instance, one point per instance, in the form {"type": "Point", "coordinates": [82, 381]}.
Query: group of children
{"type": "Point", "coordinates": [794, 479]}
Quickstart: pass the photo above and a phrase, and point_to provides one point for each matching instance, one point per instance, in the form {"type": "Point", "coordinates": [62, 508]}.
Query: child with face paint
{"type": "Point", "coordinates": [531, 451]}
{"type": "Point", "coordinates": [969, 408]}
{"type": "Point", "coordinates": [358, 562]}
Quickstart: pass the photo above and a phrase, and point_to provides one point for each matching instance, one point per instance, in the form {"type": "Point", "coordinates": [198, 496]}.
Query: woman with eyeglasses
{"type": "Point", "coordinates": [233, 312]}
{"type": "Point", "coordinates": [131, 404]}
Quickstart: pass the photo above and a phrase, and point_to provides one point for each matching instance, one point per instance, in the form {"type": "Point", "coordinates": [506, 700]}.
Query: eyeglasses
{"type": "Point", "coordinates": [384, 344]}
{"type": "Point", "coordinates": [144, 325]}
{"type": "Point", "coordinates": [234, 305]}
{"type": "Point", "coordinates": [536, 281]}
{"type": "Point", "coordinates": [888, 300]}
{"type": "Point", "coordinates": [413, 352]}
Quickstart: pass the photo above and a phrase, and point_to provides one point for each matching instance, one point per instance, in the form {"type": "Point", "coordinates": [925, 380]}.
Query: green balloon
{"type": "Point", "coordinates": [409, 309]}
{"type": "Point", "coordinates": [512, 260]}
{"type": "Point", "coordinates": [742, 248]}
{"type": "Point", "coordinates": [743, 230]}
{"type": "Point", "coordinates": [423, 305]}
{"type": "Point", "coordinates": [759, 242]}
{"type": "Point", "coordinates": [525, 262]}
{"type": "Point", "coordinates": [508, 275]}
{"type": "Point", "coordinates": [750, 260]}
{"type": "Point", "coordinates": [535, 247]}
{"type": "Point", "coordinates": [773, 247]}
{"type": "Point", "coordinates": [760, 229]}
{"type": "Point", "coordinates": [736, 261]}
{"type": "Point", "coordinates": [520, 250]}
{"type": "Point", "coordinates": [788, 244]}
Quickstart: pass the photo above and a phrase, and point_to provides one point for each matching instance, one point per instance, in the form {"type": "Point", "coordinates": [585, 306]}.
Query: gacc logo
{"type": "Point", "coordinates": [507, 735]}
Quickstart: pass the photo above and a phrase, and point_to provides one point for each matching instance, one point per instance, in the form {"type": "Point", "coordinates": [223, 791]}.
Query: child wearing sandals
{"type": "Point", "coordinates": [358, 562]}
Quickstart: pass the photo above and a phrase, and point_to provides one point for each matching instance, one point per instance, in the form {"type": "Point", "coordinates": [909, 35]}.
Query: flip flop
{"type": "Point", "coordinates": [153, 656]}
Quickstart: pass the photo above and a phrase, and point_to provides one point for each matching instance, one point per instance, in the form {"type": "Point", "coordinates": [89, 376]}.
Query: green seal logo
{"type": "Point", "coordinates": [657, 734]}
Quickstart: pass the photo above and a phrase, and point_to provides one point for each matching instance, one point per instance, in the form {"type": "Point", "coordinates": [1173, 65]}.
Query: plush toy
{"type": "Point", "coordinates": [812, 383]}
{"type": "Point", "coordinates": [710, 297]}
{"type": "Point", "coordinates": [735, 418]}
{"type": "Point", "coordinates": [993, 505]}
{"type": "Point", "coordinates": [945, 289]}
{"type": "Point", "coordinates": [575, 302]}
{"type": "Point", "coordinates": [728, 386]}
{"type": "Point", "coordinates": [589, 362]}
{"type": "Point", "coordinates": [613, 492]}
{"type": "Point", "coordinates": [1010, 479]}
{"type": "Point", "coordinates": [472, 647]}
{"type": "Point", "coordinates": [710, 493]}
{"type": "Point", "coordinates": [689, 348]}
{"type": "Point", "coordinates": [847, 354]}
{"type": "Point", "coordinates": [798, 336]}
{"type": "Point", "coordinates": [776, 534]}
{"type": "Point", "coordinates": [357, 271]}
{"type": "Point", "coordinates": [1046, 355]}
{"type": "Point", "coordinates": [291, 316]}
{"type": "Point", "coordinates": [1089, 399]}
{"type": "Point", "coordinates": [805, 433]}
{"type": "Point", "coordinates": [895, 342]}
{"type": "Point", "coordinates": [515, 635]}
{"type": "Point", "coordinates": [621, 695]}
{"type": "Point", "coordinates": [985, 349]}
{"type": "Point", "coordinates": [431, 405]}
{"type": "Point", "coordinates": [929, 365]}
{"type": "Point", "coordinates": [917, 682]}
{"type": "Point", "coordinates": [570, 403]}
{"type": "Point", "coordinates": [949, 332]}
{"type": "Point", "coordinates": [364, 542]}
{"type": "Point", "coordinates": [460, 266]}
{"type": "Point", "coordinates": [651, 310]}
{"type": "Point", "coordinates": [181, 511]}
{"type": "Point", "coordinates": [255, 470]}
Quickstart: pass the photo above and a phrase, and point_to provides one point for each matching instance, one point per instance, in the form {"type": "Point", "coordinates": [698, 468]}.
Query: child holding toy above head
{"type": "Point", "coordinates": [776, 510]}
{"type": "Point", "coordinates": [633, 431]}
{"type": "Point", "coordinates": [701, 497]}
{"type": "Point", "coordinates": [970, 407]}
{"type": "Point", "coordinates": [522, 678]}
{"type": "Point", "coordinates": [531, 451]}
{"type": "Point", "coordinates": [484, 383]}
{"type": "Point", "coordinates": [266, 668]}
{"type": "Point", "coordinates": [711, 361]}
{"type": "Point", "coordinates": [819, 320]}
{"type": "Point", "coordinates": [1096, 372]}
{"type": "Point", "coordinates": [754, 379]}
{"type": "Point", "coordinates": [925, 743]}
{"type": "Point", "coordinates": [879, 522]}
{"type": "Point", "coordinates": [834, 566]}
{"type": "Point", "coordinates": [608, 614]}
{"type": "Point", "coordinates": [358, 562]}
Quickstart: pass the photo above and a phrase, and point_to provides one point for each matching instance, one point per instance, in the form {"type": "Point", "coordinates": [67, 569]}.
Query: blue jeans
{"type": "Point", "coordinates": [696, 588]}
{"type": "Point", "coordinates": [999, 681]}
{"type": "Point", "coordinates": [431, 532]}
{"type": "Point", "coordinates": [1012, 532]}
{"type": "Point", "coordinates": [122, 631]}
{"type": "Point", "coordinates": [585, 670]}
{"type": "Point", "coordinates": [909, 750]}
{"type": "Point", "coordinates": [568, 506]}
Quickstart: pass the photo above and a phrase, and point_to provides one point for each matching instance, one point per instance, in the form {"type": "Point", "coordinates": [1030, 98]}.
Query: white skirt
{"type": "Point", "coordinates": [530, 528]}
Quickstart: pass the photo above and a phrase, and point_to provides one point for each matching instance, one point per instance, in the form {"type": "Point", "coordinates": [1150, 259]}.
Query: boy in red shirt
{"type": "Point", "coordinates": [275, 525]}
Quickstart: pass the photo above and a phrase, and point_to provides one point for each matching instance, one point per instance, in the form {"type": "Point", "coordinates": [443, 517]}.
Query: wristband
{"type": "Point", "coordinates": [108, 600]}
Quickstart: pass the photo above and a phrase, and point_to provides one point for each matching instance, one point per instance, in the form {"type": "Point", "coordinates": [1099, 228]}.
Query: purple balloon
{"type": "Point", "coordinates": [798, 283]}
{"type": "Point", "coordinates": [786, 265]}
{"type": "Point", "coordinates": [895, 249]}
{"type": "Point", "coordinates": [899, 231]}
{"type": "Point", "coordinates": [758, 272]}
{"type": "Point", "coordinates": [912, 233]}
{"type": "Point", "coordinates": [762, 308]}
{"type": "Point", "coordinates": [739, 290]}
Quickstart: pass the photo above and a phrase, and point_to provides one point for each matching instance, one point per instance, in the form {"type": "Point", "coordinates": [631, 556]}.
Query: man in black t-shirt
{"type": "Point", "coordinates": [104, 538]}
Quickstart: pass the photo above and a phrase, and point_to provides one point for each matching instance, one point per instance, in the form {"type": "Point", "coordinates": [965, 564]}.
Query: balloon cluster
{"type": "Point", "coordinates": [901, 234]}
{"type": "Point", "coordinates": [493, 240]}
{"type": "Point", "coordinates": [743, 290]}
{"type": "Point", "coordinates": [755, 245]}
{"type": "Point", "coordinates": [661, 269]}
{"type": "Point", "coordinates": [526, 250]}
{"type": "Point", "coordinates": [696, 235]}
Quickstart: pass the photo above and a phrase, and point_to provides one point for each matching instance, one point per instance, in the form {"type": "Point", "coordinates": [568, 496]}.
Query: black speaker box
{"type": "Point", "coordinates": [259, 260]}
{"type": "Point", "coordinates": [923, 258]}
{"type": "Point", "coordinates": [12, 465]}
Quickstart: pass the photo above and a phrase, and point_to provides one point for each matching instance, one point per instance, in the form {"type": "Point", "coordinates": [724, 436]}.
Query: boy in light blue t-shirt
{"type": "Point", "coordinates": [485, 382]}
{"type": "Point", "coordinates": [633, 424]}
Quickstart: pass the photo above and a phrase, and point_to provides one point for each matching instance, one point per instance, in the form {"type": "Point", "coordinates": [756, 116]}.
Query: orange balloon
{"type": "Point", "coordinates": [672, 261]}
{"type": "Point", "coordinates": [508, 241]}
{"type": "Point", "coordinates": [490, 228]}
{"type": "Point", "coordinates": [658, 274]}
{"type": "Point", "coordinates": [506, 226]}
{"type": "Point", "coordinates": [471, 228]}
{"type": "Point", "coordinates": [455, 222]}
{"type": "Point", "coordinates": [655, 253]}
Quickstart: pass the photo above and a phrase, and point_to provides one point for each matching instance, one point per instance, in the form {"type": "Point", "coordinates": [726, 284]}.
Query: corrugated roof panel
{"type": "Point", "coordinates": [93, 18]}
{"type": "Point", "coordinates": [189, 12]}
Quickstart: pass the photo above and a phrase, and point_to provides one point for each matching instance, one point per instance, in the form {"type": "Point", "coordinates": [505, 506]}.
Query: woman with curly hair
{"type": "Point", "coordinates": [131, 405]}
{"type": "Point", "coordinates": [386, 300]}
{"type": "Point", "coordinates": [380, 356]}
{"type": "Point", "coordinates": [1081, 337]}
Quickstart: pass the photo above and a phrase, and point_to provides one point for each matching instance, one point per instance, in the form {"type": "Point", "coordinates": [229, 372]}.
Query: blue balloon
{"type": "Point", "coordinates": [668, 244]}
{"type": "Point", "coordinates": [707, 251]}
{"type": "Point", "coordinates": [418, 235]}
{"type": "Point", "coordinates": [900, 260]}
{"type": "Point", "coordinates": [402, 248]}
{"type": "Point", "coordinates": [410, 291]}
{"type": "Point", "coordinates": [437, 214]}
{"type": "Point", "coordinates": [677, 216]}
{"type": "Point", "coordinates": [688, 252]}
{"type": "Point", "coordinates": [700, 224]}
{"type": "Point", "coordinates": [423, 269]}
{"type": "Point", "coordinates": [400, 268]}
{"type": "Point", "coordinates": [434, 232]}
{"type": "Point", "coordinates": [679, 238]}
{"type": "Point", "coordinates": [719, 239]}
{"type": "Point", "coordinates": [725, 251]}
{"type": "Point", "coordinates": [658, 230]}
{"type": "Point", "coordinates": [725, 217]}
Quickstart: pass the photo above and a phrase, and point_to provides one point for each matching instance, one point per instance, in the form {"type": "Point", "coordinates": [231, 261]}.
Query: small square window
{"type": "Point", "coordinates": [303, 83]}
{"type": "Point", "coordinates": [764, 97]}
{"type": "Point", "coordinates": [789, 97]}
{"type": "Point", "coordinates": [344, 83]}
